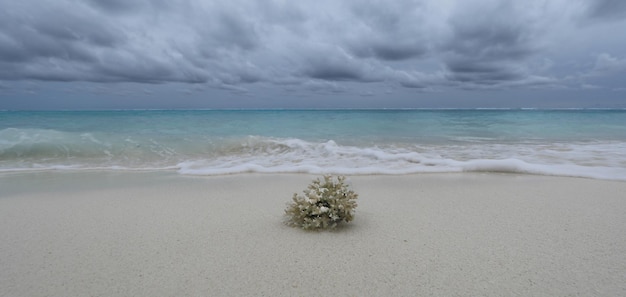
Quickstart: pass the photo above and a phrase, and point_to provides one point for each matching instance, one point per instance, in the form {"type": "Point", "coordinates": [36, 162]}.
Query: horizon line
{"type": "Point", "coordinates": [314, 109]}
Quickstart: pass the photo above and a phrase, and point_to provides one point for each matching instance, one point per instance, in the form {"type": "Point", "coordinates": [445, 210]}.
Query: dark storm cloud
{"type": "Point", "coordinates": [388, 30]}
{"type": "Point", "coordinates": [488, 51]}
{"type": "Point", "coordinates": [482, 72]}
{"type": "Point", "coordinates": [416, 44]}
{"type": "Point", "coordinates": [387, 49]}
{"type": "Point", "coordinates": [398, 51]}
{"type": "Point", "coordinates": [31, 35]}
{"type": "Point", "coordinates": [332, 64]}
{"type": "Point", "coordinates": [70, 41]}
{"type": "Point", "coordinates": [334, 72]}
{"type": "Point", "coordinates": [51, 44]}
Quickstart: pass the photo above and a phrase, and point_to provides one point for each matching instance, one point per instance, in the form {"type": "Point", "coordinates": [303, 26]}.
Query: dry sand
{"type": "Point", "coordinates": [161, 234]}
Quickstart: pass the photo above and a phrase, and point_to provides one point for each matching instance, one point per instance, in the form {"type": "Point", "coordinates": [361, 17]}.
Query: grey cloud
{"type": "Point", "coordinates": [324, 87]}
{"type": "Point", "coordinates": [607, 9]}
{"type": "Point", "coordinates": [117, 6]}
{"type": "Point", "coordinates": [395, 50]}
{"type": "Point", "coordinates": [337, 64]}
{"type": "Point", "coordinates": [234, 30]}
{"type": "Point", "coordinates": [11, 49]}
{"type": "Point", "coordinates": [129, 68]}
{"type": "Point", "coordinates": [388, 30]}
{"type": "Point", "coordinates": [75, 30]}
{"type": "Point", "coordinates": [418, 45]}
{"type": "Point", "coordinates": [414, 84]}
{"type": "Point", "coordinates": [606, 64]}
{"type": "Point", "coordinates": [334, 72]}
{"type": "Point", "coordinates": [63, 44]}
{"type": "Point", "coordinates": [48, 43]}
{"type": "Point", "coordinates": [333, 69]}
{"type": "Point", "coordinates": [488, 51]}
{"type": "Point", "coordinates": [490, 41]}
{"type": "Point", "coordinates": [418, 80]}
{"type": "Point", "coordinates": [3, 86]}
{"type": "Point", "coordinates": [482, 71]}
{"type": "Point", "coordinates": [237, 72]}
{"type": "Point", "coordinates": [606, 71]}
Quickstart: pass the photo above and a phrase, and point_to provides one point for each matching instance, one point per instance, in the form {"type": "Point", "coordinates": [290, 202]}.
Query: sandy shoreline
{"type": "Point", "coordinates": [161, 234]}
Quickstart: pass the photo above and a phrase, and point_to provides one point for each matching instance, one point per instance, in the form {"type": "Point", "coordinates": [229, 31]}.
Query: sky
{"type": "Point", "coordinates": [179, 54]}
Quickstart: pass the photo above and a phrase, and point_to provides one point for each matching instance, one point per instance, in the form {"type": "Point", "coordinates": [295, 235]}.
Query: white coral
{"type": "Point", "coordinates": [324, 204]}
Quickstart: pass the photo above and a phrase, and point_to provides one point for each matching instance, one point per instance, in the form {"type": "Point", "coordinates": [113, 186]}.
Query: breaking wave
{"type": "Point", "coordinates": [40, 149]}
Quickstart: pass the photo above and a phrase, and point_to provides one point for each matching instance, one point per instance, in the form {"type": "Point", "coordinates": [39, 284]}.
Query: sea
{"type": "Point", "coordinates": [586, 143]}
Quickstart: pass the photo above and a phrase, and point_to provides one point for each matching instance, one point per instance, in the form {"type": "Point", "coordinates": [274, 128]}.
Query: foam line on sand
{"type": "Point", "coordinates": [161, 234]}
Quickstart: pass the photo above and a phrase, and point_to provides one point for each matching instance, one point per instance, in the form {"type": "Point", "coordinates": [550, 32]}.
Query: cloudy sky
{"type": "Point", "coordinates": [93, 54]}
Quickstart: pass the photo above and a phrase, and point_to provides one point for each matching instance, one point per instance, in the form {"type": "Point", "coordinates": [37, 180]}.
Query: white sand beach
{"type": "Point", "coordinates": [162, 234]}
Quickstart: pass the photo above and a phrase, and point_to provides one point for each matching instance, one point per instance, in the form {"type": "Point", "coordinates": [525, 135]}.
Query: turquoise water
{"type": "Point", "coordinates": [584, 143]}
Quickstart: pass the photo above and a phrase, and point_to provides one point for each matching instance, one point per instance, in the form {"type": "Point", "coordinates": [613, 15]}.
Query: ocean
{"type": "Point", "coordinates": [576, 143]}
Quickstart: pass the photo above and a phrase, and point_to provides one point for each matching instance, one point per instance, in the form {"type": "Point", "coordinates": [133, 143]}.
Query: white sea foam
{"type": "Point", "coordinates": [607, 160]}
{"type": "Point", "coordinates": [565, 143]}
{"type": "Point", "coordinates": [53, 150]}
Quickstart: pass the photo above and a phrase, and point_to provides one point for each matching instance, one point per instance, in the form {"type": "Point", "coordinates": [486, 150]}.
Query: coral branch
{"type": "Point", "coordinates": [324, 204]}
